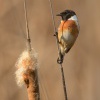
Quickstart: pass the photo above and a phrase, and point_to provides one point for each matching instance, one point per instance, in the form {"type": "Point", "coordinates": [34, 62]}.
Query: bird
{"type": "Point", "coordinates": [67, 34]}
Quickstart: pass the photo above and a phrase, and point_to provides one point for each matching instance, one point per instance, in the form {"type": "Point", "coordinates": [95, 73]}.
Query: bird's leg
{"type": "Point", "coordinates": [61, 56]}
{"type": "Point", "coordinates": [60, 59]}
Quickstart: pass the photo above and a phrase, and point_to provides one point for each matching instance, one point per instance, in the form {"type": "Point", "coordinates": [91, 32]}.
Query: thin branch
{"type": "Point", "coordinates": [53, 20]}
{"type": "Point", "coordinates": [27, 28]}
{"type": "Point", "coordinates": [57, 42]}
{"type": "Point", "coordinates": [55, 30]}
{"type": "Point", "coordinates": [63, 80]}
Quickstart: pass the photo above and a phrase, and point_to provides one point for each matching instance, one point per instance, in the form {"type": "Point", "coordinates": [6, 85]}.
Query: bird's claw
{"type": "Point", "coordinates": [59, 61]}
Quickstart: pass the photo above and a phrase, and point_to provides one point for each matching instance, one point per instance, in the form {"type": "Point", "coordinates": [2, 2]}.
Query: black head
{"type": "Point", "coordinates": [66, 14]}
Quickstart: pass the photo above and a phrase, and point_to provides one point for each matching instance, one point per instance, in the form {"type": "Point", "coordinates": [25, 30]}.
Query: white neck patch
{"type": "Point", "coordinates": [74, 18]}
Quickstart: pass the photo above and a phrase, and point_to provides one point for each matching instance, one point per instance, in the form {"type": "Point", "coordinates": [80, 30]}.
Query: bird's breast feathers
{"type": "Point", "coordinates": [68, 31]}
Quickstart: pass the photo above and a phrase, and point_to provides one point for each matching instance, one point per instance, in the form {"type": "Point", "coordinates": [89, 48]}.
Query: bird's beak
{"type": "Point", "coordinates": [59, 15]}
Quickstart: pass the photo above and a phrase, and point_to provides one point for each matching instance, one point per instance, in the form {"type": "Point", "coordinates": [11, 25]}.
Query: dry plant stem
{"type": "Point", "coordinates": [57, 42]}
{"type": "Point", "coordinates": [31, 82]}
{"type": "Point", "coordinates": [29, 45]}
{"type": "Point", "coordinates": [31, 79]}
{"type": "Point", "coordinates": [27, 28]}
{"type": "Point", "coordinates": [64, 85]}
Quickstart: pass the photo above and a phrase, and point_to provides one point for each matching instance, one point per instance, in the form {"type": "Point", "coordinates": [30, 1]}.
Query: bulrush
{"type": "Point", "coordinates": [27, 73]}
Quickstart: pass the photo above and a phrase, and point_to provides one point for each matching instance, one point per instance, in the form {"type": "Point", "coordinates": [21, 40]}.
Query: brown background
{"type": "Point", "coordinates": [81, 64]}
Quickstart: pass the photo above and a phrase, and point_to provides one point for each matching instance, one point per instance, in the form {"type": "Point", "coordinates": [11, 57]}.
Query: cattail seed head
{"type": "Point", "coordinates": [26, 61]}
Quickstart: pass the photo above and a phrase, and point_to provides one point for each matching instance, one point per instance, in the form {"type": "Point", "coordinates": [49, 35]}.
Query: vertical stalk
{"type": "Point", "coordinates": [64, 84]}
{"type": "Point", "coordinates": [32, 81]}
{"type": "Point", "coordinates": [57, 42]}
{"type": "Point", "coordinates": [27, 28]}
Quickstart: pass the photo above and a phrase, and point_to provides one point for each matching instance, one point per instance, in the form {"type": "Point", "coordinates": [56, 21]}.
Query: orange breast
{"type": "Point", "coordinates": [69, 25]}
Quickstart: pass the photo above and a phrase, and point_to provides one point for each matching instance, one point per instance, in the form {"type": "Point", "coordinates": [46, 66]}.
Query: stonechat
{"type": "Point", "coordinates": [68, 31]}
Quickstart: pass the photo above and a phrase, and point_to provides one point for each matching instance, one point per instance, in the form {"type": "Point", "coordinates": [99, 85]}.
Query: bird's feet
{"type": "Point", "coordinates": [59, 61]}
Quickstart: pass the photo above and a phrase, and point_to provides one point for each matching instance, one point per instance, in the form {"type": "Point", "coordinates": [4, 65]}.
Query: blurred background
{"type": "Point", "coordinates": [81, 64]}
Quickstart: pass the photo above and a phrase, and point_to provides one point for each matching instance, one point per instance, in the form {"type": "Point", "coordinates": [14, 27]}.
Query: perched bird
{"type": "Point", "coordinates": [68, 31]}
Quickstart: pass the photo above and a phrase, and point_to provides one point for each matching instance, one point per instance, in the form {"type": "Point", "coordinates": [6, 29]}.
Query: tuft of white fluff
{"type": "Point", "coordinates": [27, 60]}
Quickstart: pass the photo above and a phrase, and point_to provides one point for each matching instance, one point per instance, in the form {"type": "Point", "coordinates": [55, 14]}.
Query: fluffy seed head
{"type": "Point", "coordinates": [26, 61]}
